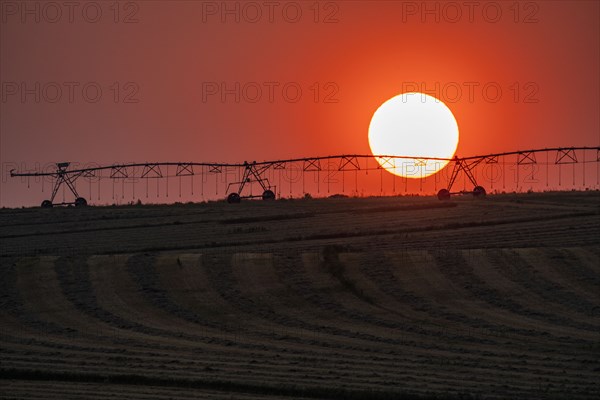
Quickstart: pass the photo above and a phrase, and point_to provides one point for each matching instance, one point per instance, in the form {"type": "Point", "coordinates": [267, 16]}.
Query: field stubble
{"type": "Point", "coordinates": [341, 298]}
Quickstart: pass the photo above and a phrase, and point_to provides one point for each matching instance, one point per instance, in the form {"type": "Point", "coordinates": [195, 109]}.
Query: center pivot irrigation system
{"type": "Point", "coordinates": [257, 171]}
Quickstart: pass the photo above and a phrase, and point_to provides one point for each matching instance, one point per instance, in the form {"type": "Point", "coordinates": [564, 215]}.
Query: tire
{"type": "Point", "coordinates": [46, 204]}
{"type": "Point", "coordinates": [479, 191]}
{"type": "Point", "coordinates": [268, 195]}
{"type": "Point", "coordinates": [443, 194]}
{"type": "Point", "coordinates": [233, 198]}
{"type": "Point", "coordinates": [80, 202]}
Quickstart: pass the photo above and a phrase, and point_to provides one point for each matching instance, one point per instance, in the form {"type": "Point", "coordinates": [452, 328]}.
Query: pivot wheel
{"type": "Point", "coordinates": [479, 191]}
{"type": "Point", "coordinates": [233, 198]}
{"type": "Point", "coordinates": [268, 195]}
{"type": "Point", "coordinates": [80, 202]}
{"type": "Point", "coordinates": [443, 194]}
{"type": "Point", "coordinates": [46, 204]}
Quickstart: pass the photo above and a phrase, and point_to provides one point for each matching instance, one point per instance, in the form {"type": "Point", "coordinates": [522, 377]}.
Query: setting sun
{"type": "Point", "coordinates": [413, 124]}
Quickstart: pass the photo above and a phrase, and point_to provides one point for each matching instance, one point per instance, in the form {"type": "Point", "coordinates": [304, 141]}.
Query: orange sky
{"type": "Point", "coordinates": [543, 56]}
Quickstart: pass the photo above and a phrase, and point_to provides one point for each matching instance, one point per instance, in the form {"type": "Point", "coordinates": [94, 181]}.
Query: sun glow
{"type": "Point", "coordinates": [413, 124]}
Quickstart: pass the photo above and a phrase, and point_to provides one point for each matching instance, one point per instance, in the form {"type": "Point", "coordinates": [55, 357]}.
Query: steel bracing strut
{"type": "Point", "coordinates": [63, 176]}
{"type": "Point", "coordinates": [252, 172]}
{"type": "Point", "coordinates": [465, 166]}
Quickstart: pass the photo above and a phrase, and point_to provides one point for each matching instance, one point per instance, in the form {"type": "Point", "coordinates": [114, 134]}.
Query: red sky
{"type": "Point", "coordinates": [543, 56]}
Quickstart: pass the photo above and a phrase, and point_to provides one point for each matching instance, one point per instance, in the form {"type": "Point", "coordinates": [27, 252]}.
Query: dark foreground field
{"type": "Point", "coordinates": [341, 298]}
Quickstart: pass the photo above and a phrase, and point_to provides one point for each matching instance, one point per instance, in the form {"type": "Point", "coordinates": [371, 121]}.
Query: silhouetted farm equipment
{"type": "Point", "coordinates": [256, 172]}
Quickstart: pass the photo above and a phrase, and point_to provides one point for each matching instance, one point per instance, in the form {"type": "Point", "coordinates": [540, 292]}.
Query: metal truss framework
{"type": "Point", "coordinates": [256, 171]}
